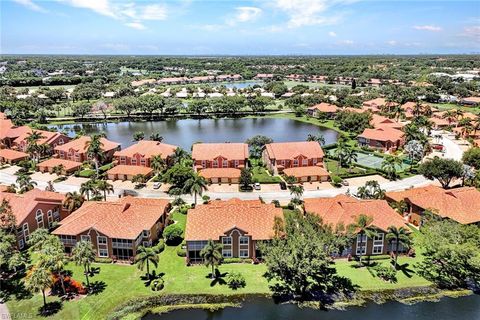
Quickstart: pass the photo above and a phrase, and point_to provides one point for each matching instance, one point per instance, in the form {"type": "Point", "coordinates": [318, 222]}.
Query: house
{"type": "Point", "coordinates": [228, 77]}
{"type": "Point", "coordinates": [76, 150]}
{"type": "Point", "coordinates": [220, 155]}
{"type": "Point", "coordinates": [138, 83]}
{"type": "Point", "coordinates": [342, 211]}
{"type": "Point", "coordinates": [221, 175]}
{"type": "Point", "coordinates": [374, 82]}
{"type": "Point", "coordinates": [377, 104]}
{"type": "Point", "coordinates": [384, 138]}
{"type": "Point", "coordinates": [68, 166]}
{"type": "Point", "coordinates": [8, 156]}
{"type": "Point", "coordinates": [379, 121]}
{"type": "Point", "coordinates": [470, 101]}
{"type": "Point", "coordinates": [308, 174]}
{"type": "Point", "coordinates": [263, 76]}
{"type": "Point", "coordinates": [439, 123]}
{"type": "Point", "coordinates": [34, 209]}
{"type": "Point", "coordinates": [50, 138]}
{"type": "Point", "coordinates": [141, 153]}
{"type": "Point", "coordinates": [127, 172]}
{"type": "Point", "coordinates": [115, 229]}
{"type": "Point", "coordinates": [461, 204]}
{"type": "Point", "coordinates": [323, 109]}
{"type": "Point", "coordinates": [239, 225]}
{"type": "Point", "coordinates": [282, 155]}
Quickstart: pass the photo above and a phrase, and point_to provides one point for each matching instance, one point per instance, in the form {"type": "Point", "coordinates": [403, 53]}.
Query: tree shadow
{"type": "Point", "coordinates": [50, 308]}
{"type": "Point", "coordinates": [93, 271]}
{"type": "Point", "coordinates": [96, 287]}
{"type": "Point", "coordinates": [404, 268]}
{"type": "Point", "coordinates": [14, 287]}
{"type": "Point", "coordinates": [149, 278]}
{"type": "Point", "coordinates": [218, 278]}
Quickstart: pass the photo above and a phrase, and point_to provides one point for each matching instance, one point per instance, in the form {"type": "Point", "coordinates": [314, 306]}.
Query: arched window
{"type": "Point", "coordinates": [39, 218]}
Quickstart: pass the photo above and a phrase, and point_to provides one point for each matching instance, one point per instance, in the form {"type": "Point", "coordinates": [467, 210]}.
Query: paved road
{"type": "Point", "coordinates": [283, 196]}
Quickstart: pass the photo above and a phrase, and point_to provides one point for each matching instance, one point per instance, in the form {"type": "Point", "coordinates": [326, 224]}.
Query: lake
{"type": "Point", "coordinates": [259, 308]}
{"type": "Point", "coordinates": [185, 132]}
{"type": "Point", "coordinates": [241, 84]}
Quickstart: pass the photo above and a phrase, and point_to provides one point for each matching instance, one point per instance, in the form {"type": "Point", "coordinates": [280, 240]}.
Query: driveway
{"type": "Point", "coordinates": [453, 148]}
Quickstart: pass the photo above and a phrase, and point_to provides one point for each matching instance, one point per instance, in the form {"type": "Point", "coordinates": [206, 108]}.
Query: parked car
{"type": "Point", "coordinates": [156, 185]}
{"type": "Point", "coordinates": [257, 186]}
{"type": "Point", "coordinates": [345, 183]}
{"type": "Point", "coordinates": [283, 185]}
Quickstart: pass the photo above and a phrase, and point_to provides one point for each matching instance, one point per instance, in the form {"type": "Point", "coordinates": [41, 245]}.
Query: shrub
{"type": "Point", "coordinates": [160, 246]}
{"type": "Point", "coordinates": [336, 181]}
{"type": "Point", "coordinates": [173, 234]}
{"type": "Point", "coordinates": [236, 280]}
{"type": "Point", "coordinates": [205, 199]}
{"type": "Point", "coordinates": [103, 260]}
{"type": "Point", "coordinates": [157, 285]}
{"type": "Point", "coordinates": [237, 260]}
{"type": "Point", "coordinates": [181, 252]}
{"type": "Point", "coordinates": [386, 273]}
{"type": "Point", "coordinates": [276, 203]}
{"type": "Point", "coordinates": [183, 209]}
{"type": "Point", "coordinates": [178, 202]}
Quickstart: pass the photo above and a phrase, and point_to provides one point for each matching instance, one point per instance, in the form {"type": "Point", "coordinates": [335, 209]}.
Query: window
{"type": "Point", "coordinates": [39, 218]}
{"type": "Point", "coordinates": [21, 244]}
{"type": "Point", "coordinates": [204, 163]}
{"type": "Point", "coordinates": [378, 244]}
{"type": "Point", "coordinates": [103, 253]}
{"type": "Point", "coordinates": [227, 240]}
{"type": "Point", "coordinates": [102, 240]}
{"type": "Point", "coordinates": [146, 243]}
{"type": "Point", "coordinates": [215, 163]}
{"type": "Point", "coordinates": [236, 163]}
{"type": "Point", "coordinates": [85, 237]}
{"type": "Point", "coordinates": [225, 164]}
{"type": "Point", "coordinates": [243, 240]}
{"type": "Point", "coordinates": [305, 162]}
{"type": "Point", "coordinates": [146, 233]}
{"type": "Point", "coordinates": [295, 163]}
{"type": "Point", "coordinates": [314, 161]}
{"type": "Point", "coordinates": [56, 214]}
{"type": "Point", "coordinates": [243, 253]}
{"type": "Point", "coordinates": [123, 160]}
{"type": "Point", "coordinates": [49, 218]}
{"type": "Point", "coordinates": [133, 161]}
{"type": "Point", "coordinates": [26, 230]}
{"type": "Point", "coordinates": [361, 244]}
{"type": "Point", "coordinates": [60, 141]}
{"type": "Point", "coordinates": [142, 162]}
{"type": "Point", "coordinates": [227, 253]}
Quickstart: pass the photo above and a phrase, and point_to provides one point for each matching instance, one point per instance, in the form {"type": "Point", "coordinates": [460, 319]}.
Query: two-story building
{"type": "Point", "coordinates": [326, 109]}
{"type": "Point", "coordinates": [239, 225]}
{"type": "Point", "coordinates": [49, 138]}
{"type": "Point", "coordinates": [76, 150]}
{"type": "Point", "coordinates": [344, 210]}
{"type": "Point", "coordinates": [141, 153]}
{"type": "Point", "coordinates": [382, 138]}
{"type": "Point", "coordinates": [220, 162]}
{"type": "Point", "coordinates": [115, 229]}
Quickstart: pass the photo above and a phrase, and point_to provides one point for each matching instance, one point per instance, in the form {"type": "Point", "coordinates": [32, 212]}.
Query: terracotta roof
{"type": "Point", "coordinates": [130, 170]}
{"type": "Point", "coordinates": [344, 210]}
{"type": "Point", "coordinates": [382, 134]}
{"type": "Point", "coordinates": [80, 145]}
{"type": "Point", "coordinates": [356, 110]}
{"type": "Point", "coordinates": [147, 149]}
{"type": "Point", "coordinates": [2, 116]}
{"type": "Point", "coordinates": [15, 132]}
{"type": "Point", "coordinates": [210, 151]}
{"type": "Point", "coordinates": [472, 99]}
{"type": "Point", "coordinates": [324, 107]}
{"type": "Point", "coordinates": [461, 205]}
{"type": "Point", "coordinates": [5, 125]}
{"type": "Point", "coordinates": [299, 172]}
{"type": "Point", "coordinates": [212, 220]}
{"type": "Point", "coordinates": [124, 219]}
{"type": "Point", "coordinates": [23, 204]}
{"type": "Point", "coordinates": [439, 121]}
{"type": "Point", "coordinates": [375, 102]}
{"type": "Point", "coordinates": [381, 121]}
{"type": "Point", "coordinates": [12, 154]}
{"type": "Point", "coordinates": [291, 150]}
{"type": "Point", "coordinates": [48, 136]}
{"type": "Point", "coordinates": [67, 164]}
{"type": "Point", "coordinates": [209, 173]}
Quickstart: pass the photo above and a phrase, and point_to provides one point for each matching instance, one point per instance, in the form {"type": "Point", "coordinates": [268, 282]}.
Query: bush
{"type": "Point", "coordinates": [336, 181]}
{"type": "Point", "coordinates": [160, 246]}
{"type": "Point", "coordinates": [181, 252]}
{"type": "Point", "coordinates": [237, 260]}
{"type": "Point", "coordinates": [178, 202]}
{"type": "Point", "coordinates": [183, 209]}
{"type": "Point", "coordinates": [103, 260]}
{"type": "Point", "coordinates": [157, 285]}
{"type": "Point", "coordinates": [205, 199]}
{"type": "Point", "coordinates": [386, 273]}
{"type": "Point", "coordinates": [236, 280]}
{"type": "Point", "coordinates": [276, 203]}
{"type": "Point", "coordinates": [173, 234]}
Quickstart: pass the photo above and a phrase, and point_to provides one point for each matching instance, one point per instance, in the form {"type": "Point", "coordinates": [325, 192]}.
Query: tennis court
{"type": "Point", "coordinates": [372, 161]}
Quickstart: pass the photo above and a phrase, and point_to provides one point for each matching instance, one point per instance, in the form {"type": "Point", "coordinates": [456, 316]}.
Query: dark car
{"type": "Point", "coordinates": [283, 185]}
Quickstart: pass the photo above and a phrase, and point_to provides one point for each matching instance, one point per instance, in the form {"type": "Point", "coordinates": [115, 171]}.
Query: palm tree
{"type": "Point", "coordinates": [88, 188]}
{"type": "Point", "coordinates": [139, 179]}
{"type": "Point", "coordinates": [73, 201]}
{"type": "Point", "coordinates": [58, 170]}
{"type": "Point", "coordinates": [144, 256]}
{"type": "Point", "coordinates": [156, 137]}
{"type": "Point", "coordinates": [139, 135]}
{"type": "Point", "coordinates": [103, 185]}
{"type": "Point", "coordinates": [50, 187]}
{"type": "Point", "coordinates": [450, 116]}
{"type": "Point", "coordinates": [25, 183]}
{"type": "Point", "coordinates": [212, 255]}
{"type": "Point", "coordinates": [363, 226]}
{"type": "Point", "coordinates": [38, 280]}
{"type": "Point", "coordinates": [32, 146]}
{"type": "Point", "coordinates": [400, 236]}
{"type": "Point", "coordinates": [157, 163]}
{"type": "Point", "coordinates": [52, 257]}
{"type": "Point", "coordinates": [349, 156]}
{"type": "Point", "coordinates": [179, 155]}
{"type": "Point", "coordinates": [320, 138]}
{"type": "Point", "coordinates": [389, 165]}
{"type": "Point", "coordinates": [83, 254]}
{"type": "Point", "coordinates": [195, 185]}
{"type": "Point", "coordinates": [95, 150]}
{"type": "Point", "coordinates": [296, 191]}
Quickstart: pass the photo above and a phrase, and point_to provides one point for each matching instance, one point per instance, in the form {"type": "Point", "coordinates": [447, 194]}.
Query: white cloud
{"type": "Point", "coordinates": [309, 12]}
{"type": "Point", "coordinates": [135, 25]}
{"type": "Point", "coordinates": [472, 31]}
{"type": "Point", "coordinates": [245, 14]}
{"type": "Point", "coordinates": [392, 42]}
{"type": "Point", "coordinates": [30, 5]}
{"type": "Point", "coordinates": [153, 12]}
{"type": "Point", "coordinates": [103, 7]}
{"type": "Point", "coordinates": [431, 28]}
{"type": "Point", "coordinates": [346, 42]}
{"type": "Point", "coordinates": [332, 34]}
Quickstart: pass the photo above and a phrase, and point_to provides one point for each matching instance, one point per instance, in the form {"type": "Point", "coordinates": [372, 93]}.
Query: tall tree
{"type": "Point", "coordinates": [195, 185]}
{"type": "Point", "coordinates": [95, 150]}
{"type": "Point", "coordinates": [38, 280]}
{"type": "Point", "coordinates": [145, 256]}
{"type": "Point", "coordinates": [72, 201]}
{"type": "Point", "coordinates": [401, 238]}
{"type": "Point", "coordinates": [105, 187]}
{"type": "Point", "coordinates": [212, 255]}
{"type": "Point", "coordinates": [83, 254]}
{"type": "Point", "coordinates": [363, 227]}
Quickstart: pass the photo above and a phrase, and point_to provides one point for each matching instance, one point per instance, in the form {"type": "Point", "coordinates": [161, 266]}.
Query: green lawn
{"type": "Point", "coordinates": [332, 166]}
{"type": "Point", "coordinates": [261, 175]}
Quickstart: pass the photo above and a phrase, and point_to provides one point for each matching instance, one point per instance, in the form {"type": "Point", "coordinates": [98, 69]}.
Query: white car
{"type": "Point", "coordinates": [156, 185]}
{"type": "Point", "coordinates": [257, 186]}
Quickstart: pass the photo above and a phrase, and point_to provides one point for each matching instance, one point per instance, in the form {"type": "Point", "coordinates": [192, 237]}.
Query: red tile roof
{"type": "Point", "coordinates": [80, 145]}
{"type": "Point", "coordinates": [291, 150]}
{"type": "Point", "coordinates": [15, 132]}
{"type": "Point", "coordinates": [130, 170]}
{"type": "Point", "coordinates": [210, 151]}
{"type": "Point", "coordinates": [12, 154]}
{"type": "Point", "coordinates": [147, 149]}
{"type": "Point", "coordinates": [382, 134]}
{"type": "Point", "coordinates": [124, 219]}
{"type": "Point", "coordinates": [209, 173]}
{"type": "Point", "coordinates": [325, 107]}
{"type": "Point", "coordinates": [67, 164]}
{"type": "Point", "coordinates": [5, 126]}
{"type": "Point", "coordinates": [212, 220]}
{"type": "Point", "coordinates": [381, 121]}
{"type": "Point", "coordinates": [344, 210]}
{"type": "Point", "coordinates": [48, 136]}
{"type": "Point", "coordinates": [299, 172]}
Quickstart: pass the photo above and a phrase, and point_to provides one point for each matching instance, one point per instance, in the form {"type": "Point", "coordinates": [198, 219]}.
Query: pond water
{"type": "Point", "coordinates": [184, 133]}
{"type": "Point", "coordinates": [465, 308]}
{"type": "Point", "coordinates": [242, 84]}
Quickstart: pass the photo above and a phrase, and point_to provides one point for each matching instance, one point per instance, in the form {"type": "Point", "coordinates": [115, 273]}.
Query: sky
{"type": "Point", "coordinates": [228, 27]}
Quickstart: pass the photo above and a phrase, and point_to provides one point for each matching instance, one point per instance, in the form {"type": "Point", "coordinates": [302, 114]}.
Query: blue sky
{"type": "Point", "coordinates": [239, 27]}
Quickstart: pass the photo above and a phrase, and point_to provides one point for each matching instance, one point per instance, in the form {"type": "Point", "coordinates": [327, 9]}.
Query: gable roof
{"type": "Point", "coordinates": [344, 210]}
{"type": "Point", "coordinates": [12, 154]}
{"type": "Point", "coordinates": [382, 134]}
{"type": "Point", "coordinates": [212, 220]}
{"type": "Point", "coordinates": [147, 149]}
{"type": "Point", "coordinates": [124, 219]}
{"type": "Point", "coordinates": [324, 107]}
{"type": "Point", "coordinates": [381, 121]}
{"type": "Point", "coordinates": [130, 170]}
{"type": "Point", "coordinates": [80, 145]}
{"type": "Point", "coordinates": [68, 165]}
{"type": "Point", "coordinates": [291, 150]}
{"type": "Point", "coordinates": [210, 151]}
{"type": "Point", "coordinates": [48, 136]}
{"type": "Point", "coordinates": [231, 173]}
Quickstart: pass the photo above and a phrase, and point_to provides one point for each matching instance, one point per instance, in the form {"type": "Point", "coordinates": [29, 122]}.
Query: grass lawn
{"type": "Point", "coordinates": [332, 166]}
{"type": "Point", "coordinates": [122, 282]}
{"type": "Point", "coordinates": [448, 106]}
{"type": "Point", "coordinates": [261, 175]}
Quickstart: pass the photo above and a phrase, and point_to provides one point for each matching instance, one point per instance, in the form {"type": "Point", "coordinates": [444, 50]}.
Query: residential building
{"type": "Point", "coordinates": [460, 204]}
{"type": "Point", "coordinates": [323, 108]}
{"type": "Point", "coordinates": [379, 121]}
{"type": "Point", "coordinates": [470, 101]}
{"type": "Point", "coordinates": [343, 211]}
{"type": "Point", "coordinates": [221, 175]}
{"type": "Point", "coordinates": [282, 155]}
{"type": "Point", "coordinates": [68, 166]}
{"type": "Point", "coordinates": [8, 156]}
{"type": "Point", "coordinates": [127, 172]}
{"type": "Point", "coordinates": [34, 209]}
{"type": "Point", "coordinates": [50, 138]}
{"type": "Point", "coordinates": [308, 174]}
{"type": "Point", "coordinates": [377, 104]}
{"type": "Point", "coordinates": [141, 153]}
{"type": "Point", "coordinates": [263, 76]}
{"type": "Point", "coordinates": [383, 138]}
{"type": "Point", "coordinates": [239, 225]}
{"type": "Point", "coordinates": [76, 150]}
{"type": "Point", "coordinates": [115, 229]}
